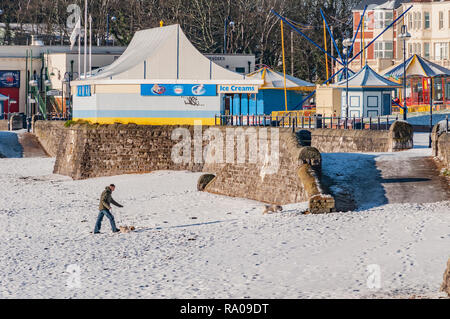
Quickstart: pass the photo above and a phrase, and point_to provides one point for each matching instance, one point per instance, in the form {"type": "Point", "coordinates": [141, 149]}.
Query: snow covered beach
{"type": "Point", "coordinates": [198, 245]}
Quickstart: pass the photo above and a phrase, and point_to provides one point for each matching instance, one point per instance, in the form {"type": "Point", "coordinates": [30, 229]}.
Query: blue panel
{"type": "Point", "coordinates": [254, 104]}
{"type": "Point", "coordinates": [387, 104]}
{"type": "Point", "coordinates": [83, 90]}
{"type": "Point", "coordinates": [237, 107]}
{"type": "Point", "coordinates": [260, 105]}
{"type": "Point", "coordinates": [178, 90]}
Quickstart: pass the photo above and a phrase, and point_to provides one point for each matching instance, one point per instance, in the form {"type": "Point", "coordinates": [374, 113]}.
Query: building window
{"type": "Point", "coordinates": [426, 20]}
{"type": "Point", "coordinates": [441, 20]}
{"type": "Point", "coordinates": [417, 20]}
{"type": "Point", "coordinates": [384, 50]}
{"type": "Point", "coordinates": [240, 70]}
{"type": "Point", "coordinates": [366, 21]}
{"type": "Point", "coordinates": [417, 48]}
{"type": "Point", "coordinates": [383, 18]}
{"type": "Point", "coordinates": [441, 51]}
{"type": "Point", "coordinates": [409, 48]}
{"type": "Point", "coordinates": [372, 101]}
{"type": "Point", "coordinates": [354, 101]}
{"type": "Point", "coordinates": [426, 50]}
{"type": "Point", "coordinates": [410, 21]}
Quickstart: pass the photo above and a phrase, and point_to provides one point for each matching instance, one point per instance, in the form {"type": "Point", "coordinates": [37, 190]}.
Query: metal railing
{"type": "Point", "coordinates": [54, 116]}
{"type": "Point", "coordinates": [308, 122]}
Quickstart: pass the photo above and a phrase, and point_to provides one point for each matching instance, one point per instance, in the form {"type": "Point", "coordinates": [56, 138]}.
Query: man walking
{"type": "Point", "coordinates": [105, 206]}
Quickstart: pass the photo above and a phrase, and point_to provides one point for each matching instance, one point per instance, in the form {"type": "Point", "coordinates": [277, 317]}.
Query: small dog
{"type": "Point", "coordinates": [272, 209]}
{"type": "Point", "coordinates": [126, 229]}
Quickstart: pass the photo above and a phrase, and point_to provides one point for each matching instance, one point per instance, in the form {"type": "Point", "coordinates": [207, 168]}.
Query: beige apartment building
{"type": "Point", "coordinates": [429, 26]}
{"type": "Point", "coordinates": [428, 22]}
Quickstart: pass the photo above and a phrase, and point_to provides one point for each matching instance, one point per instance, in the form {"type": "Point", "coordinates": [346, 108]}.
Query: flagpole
{"type": "Point", "coordinates": [85, 37]}
{"type": "Point", "coordinates": [90, 44]}
{"type": "Point", "coordinates": [79, 56]}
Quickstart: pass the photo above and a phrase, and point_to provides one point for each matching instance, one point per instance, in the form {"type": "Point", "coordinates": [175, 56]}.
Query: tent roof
{"type": "Point", "coordinates": [367, 78]}
{"type": "Point", "coordinates": [275, 80]}
{"type": "Point", "coordinates": [416, 65]}
{"type": "Point", "coordinates": [380, 4]}
{"type": "Point", "coordinates": [163, 53]}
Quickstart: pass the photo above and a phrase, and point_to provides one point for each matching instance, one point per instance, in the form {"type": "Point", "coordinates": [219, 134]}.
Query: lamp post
{"type": "Point", "coordinates": [47, 84]}
{"type": "Point", "coordinates": [1, 13]}
{"type": "Point", "coordinates": [431, 110]}
{"type": "Point", "coordinates": [113, 19]}
{"type": "Point", "coordinates": [66, 80]}
{"type": "Point", "coordinates": [9, 106]}
{"type": "Point", "coordinates": [33, 84]}
{"type": "Point", "coordinates": [228, 21]}
{"type": "Point", "coordinates": [346, 43]}
{"type": "Point", "coordinates": [404, 35]}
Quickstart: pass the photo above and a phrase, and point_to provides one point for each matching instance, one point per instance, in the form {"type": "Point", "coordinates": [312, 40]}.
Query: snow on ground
{"type": "Point", "coordinates": [356, 174]}
{"type": "Point", "coordinates": [197, 245]}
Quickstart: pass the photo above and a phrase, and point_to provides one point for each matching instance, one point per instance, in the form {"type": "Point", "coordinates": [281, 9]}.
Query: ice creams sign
{"type": "Point", "coordinates": [237, 89]}
{"type": "Point", "coordinates": [178, 90]}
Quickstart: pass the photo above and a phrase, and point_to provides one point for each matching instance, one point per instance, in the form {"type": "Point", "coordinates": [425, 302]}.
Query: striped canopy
{"type": "Point", "coordinates": [416, 66]}
{"type": "Point", "coordinates": [367, 78]}
{"type": "Point", "coordinates": [275, 80]}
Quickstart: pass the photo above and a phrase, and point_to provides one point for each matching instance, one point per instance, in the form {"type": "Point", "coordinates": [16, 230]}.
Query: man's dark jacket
{"type": "Point", "coordinates": [106, 200]}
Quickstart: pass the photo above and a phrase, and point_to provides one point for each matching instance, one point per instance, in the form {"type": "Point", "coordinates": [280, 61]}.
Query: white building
{"type": "Point", "coordinates": [161, 79]}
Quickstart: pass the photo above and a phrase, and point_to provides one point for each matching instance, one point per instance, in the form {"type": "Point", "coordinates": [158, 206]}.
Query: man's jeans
{"type": "Point", "coordinates": [98, 224]}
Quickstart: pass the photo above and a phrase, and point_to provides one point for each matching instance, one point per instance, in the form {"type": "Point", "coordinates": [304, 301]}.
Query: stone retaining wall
{"type": "Point", "coordinates": [50, 134]}
{"type": "Point", "coordinates": [445, 287]}
{"type": "Point", "coordinates": [398, 138]}
{"type": "Point", "coordinates": [441, 146]}
{"type": "Point", "coordinates": [274, 177]}
{"type": "Point", "coordinates": [3, 125]}
{"type": "Point", "coordinates": [85, 151]}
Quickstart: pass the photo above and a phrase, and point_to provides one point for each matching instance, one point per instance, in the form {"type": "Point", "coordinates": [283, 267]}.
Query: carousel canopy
{"type": "Point", "coordinates": [342, 74]}
{"type": "Point", "coordinates": [416, 66]}
{"type": "Point", "coordinates": [275, 80]}
{"type": "Point", "coordinates": [367, 78]}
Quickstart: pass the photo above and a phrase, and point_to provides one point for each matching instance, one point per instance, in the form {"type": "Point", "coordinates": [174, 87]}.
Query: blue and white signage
{"type": "Point", "coordinates": [237, 89]}
{"type": "Point", "coordinates": [83, 90]}
{"type": "Point", "coordinates": [178, 90]}
{"type": "Point", "coordinates": [9, 79]}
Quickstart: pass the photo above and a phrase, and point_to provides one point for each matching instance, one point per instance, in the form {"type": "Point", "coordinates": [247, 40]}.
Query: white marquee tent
{"type": "Point", "coordinates": [164, 53]}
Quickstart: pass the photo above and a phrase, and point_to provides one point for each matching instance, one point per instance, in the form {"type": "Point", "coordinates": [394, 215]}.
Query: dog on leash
{"type": "Point", "coordinates": [126, 229]}
{"type": "Point", "coordinates": [272, 209]}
